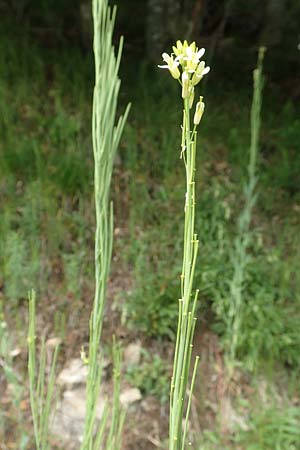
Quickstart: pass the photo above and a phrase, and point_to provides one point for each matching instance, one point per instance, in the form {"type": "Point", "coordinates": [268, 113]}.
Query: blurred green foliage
{"type": "Point", "coordinates": [46, 175]}
{"type": "Point", "coordinates": [151, 376]}
{"type": "Point", "coordinates": [268, 428]}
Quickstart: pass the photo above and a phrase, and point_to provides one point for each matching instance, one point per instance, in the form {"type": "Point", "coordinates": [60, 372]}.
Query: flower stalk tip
{"type": "Point", "coordinates": [186, 66]}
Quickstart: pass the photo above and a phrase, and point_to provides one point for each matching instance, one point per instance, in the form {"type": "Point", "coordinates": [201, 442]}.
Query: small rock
{"type": "Point", "coordinates": [74, 374]}
{"type": "Point", "coordinates": [132, 353]}
{"type": "Point", "coordinates": [15, 352]}
{"type": "Point", "coordinates": [52, 343]}
{"type": "Point", "coordinates": [68, 419]}
{"type": "Point", "coordinates": [74, 404]}
{"type": "Point", "coordinates": [129, 396]}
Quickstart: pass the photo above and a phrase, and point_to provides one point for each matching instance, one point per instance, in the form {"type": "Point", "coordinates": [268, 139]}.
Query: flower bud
{"type": "Point", "coordinates": [191, 96]}
{"type": "Point", "coordinates": [185, 84]}
{"type": "Point", "coordinates": [174, 71]}
{"type": "Point", "coordinates": [178, 48]}
{"type": "Point", "coordinates": [199, 111]}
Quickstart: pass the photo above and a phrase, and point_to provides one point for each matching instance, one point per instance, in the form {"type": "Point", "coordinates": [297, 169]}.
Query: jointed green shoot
{"type": "Point", "coordinates": [106, 137]}
{"type": "Point", "coordinates": [41, 389]}
{"type": "Point", "coordinates": [187, 57]}
{"type": "Point", "coordinates": [243, 239]}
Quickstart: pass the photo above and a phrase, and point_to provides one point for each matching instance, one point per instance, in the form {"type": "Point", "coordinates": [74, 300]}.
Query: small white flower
{"type": "Point", "coordinates": [200, 53]}
{"type": "Point", "coordinates": [172, 65]}
{"type": "Point", "coordinates": [192, 56]}
{"type": "Point", "coordinates": [200, 72]}
{"type": "Point", "coordinates": [188, 57]}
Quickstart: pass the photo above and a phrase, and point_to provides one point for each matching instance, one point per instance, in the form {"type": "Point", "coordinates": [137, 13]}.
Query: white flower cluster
{"type": "Point", "coordinates": [187, 57]}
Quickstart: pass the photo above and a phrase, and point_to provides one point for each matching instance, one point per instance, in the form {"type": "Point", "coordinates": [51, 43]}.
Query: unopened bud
{"type": "Point", "coordinates": [185, 84]}
{"type": "Point", "coordinates": [83, 356]}
{"type": "Point", "coordinates": [191, 97]}
{"type": "Point", "coordinates": [174, 71]}
{"type": "Point", "coordinates": [199, 111]}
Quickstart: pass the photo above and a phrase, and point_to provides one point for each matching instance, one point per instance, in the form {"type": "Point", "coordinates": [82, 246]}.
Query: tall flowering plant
{"type": "Point", "coordinates": [185, 66]}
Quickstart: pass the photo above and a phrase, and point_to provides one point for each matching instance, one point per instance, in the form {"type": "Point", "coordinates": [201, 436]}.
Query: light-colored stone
{"type": "Point", "coordinates": [129, 396]}
{"type": "Point", "coordinates": [74, 374]}
{"type": "Point", "coordinates": [68, 419]}
{"type": "Point", "coordinates": [74, 404]}
{"type": "Point", "coordinates": [132, 353]}
{"type": "Point", "coordinates": [15, 352]}
{"type": "Point", "coordinates": [67, 424]}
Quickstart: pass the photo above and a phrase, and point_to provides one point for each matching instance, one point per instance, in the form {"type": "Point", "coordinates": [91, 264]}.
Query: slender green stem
{"type": "Point", "coordinates": [179, 411]}
{"type": "Point", "coordinates": [31, 368]}
{"type": "Point", "coordinates": [41, 389]}
{"type": "Point", "coordinates": [190, 400]}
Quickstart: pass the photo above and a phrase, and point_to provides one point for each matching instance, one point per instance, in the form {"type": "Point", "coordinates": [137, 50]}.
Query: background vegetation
{"type": "Point", "coordinates": [47, 214]}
